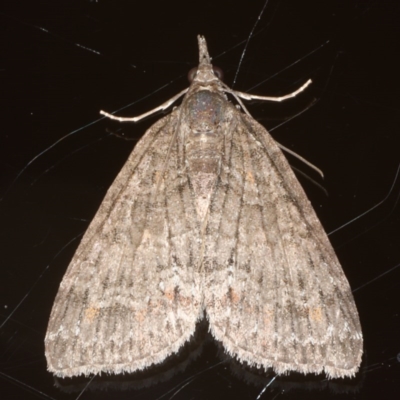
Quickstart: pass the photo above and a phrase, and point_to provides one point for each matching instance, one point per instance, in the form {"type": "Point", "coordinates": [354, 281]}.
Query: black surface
{"type": "Point", "coordinates": [57, 158]}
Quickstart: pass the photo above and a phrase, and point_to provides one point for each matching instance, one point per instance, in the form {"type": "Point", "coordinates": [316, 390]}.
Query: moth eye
{"type": "Point", "coordinates": [192, 74]}
{"type": "Point", "coordinates": [218, 73]}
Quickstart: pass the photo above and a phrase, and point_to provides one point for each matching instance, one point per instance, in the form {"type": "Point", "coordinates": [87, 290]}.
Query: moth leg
{"type": "Point", "coordinates": [146, 114]}
{"type": "Point", "coordinates": [299, 157]}
{"type": "Point", "coordinates": [248, 96]}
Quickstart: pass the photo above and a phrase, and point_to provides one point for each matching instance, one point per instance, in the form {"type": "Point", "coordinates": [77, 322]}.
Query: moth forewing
{"type": "Point", "coordinates": [285, 303]}
{"type": "Point", "coordinates": [117, 309]}
{"type": "Point", "coordinates": [206, 216]}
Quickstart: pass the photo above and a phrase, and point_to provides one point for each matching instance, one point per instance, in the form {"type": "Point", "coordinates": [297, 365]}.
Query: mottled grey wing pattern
{"type": "Point", "coordinates": [129, 297]}
{"type": "Point", "coordinates": [205, 214]}
{"type": "Point", "coordinates": [275, 293]}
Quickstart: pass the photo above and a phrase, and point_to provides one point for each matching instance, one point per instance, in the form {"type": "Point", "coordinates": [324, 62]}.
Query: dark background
{"type": "Point", "coordinates": [63, 61]}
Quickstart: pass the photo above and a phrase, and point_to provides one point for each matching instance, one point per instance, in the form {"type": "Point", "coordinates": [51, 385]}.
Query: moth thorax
{"type": "Point", "coordinates": [205, 111]}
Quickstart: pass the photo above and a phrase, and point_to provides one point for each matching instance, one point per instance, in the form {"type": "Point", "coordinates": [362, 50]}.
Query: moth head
{"type": "Point", "coordinates": [217, 72]}
{"type": "Point", "coordinates": [205, 72]}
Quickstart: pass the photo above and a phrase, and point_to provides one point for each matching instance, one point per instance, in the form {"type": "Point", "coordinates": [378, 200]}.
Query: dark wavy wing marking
{"type": "Point", "coordinates": [275, 293]}
{"type": "Point", "coordinates": [129, 297]}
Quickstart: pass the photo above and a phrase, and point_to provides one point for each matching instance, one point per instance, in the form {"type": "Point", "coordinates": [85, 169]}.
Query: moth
{"type": "Point", "coordinates": [205, 219]}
